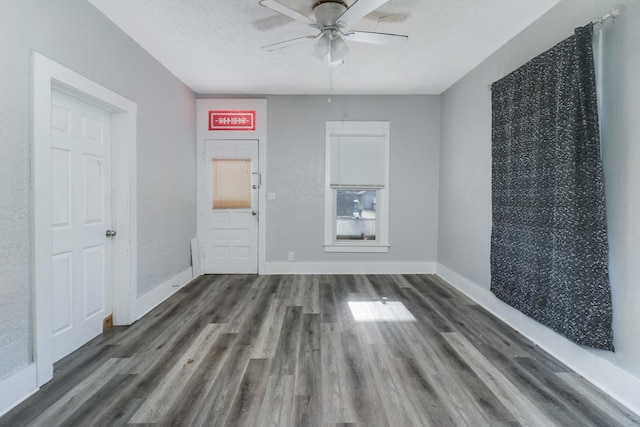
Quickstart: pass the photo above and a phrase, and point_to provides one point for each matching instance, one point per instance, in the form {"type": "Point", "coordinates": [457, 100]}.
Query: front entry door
{"type": "Point", "coordinates": [231, 222]}
{"type": "Point", "coordinates": [81, 214]}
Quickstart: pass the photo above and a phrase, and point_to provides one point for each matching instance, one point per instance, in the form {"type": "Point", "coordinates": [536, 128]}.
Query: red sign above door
{"type": "Point", "coordinates": [232, 120]}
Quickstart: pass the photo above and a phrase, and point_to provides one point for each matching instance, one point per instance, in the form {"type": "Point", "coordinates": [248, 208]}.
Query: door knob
{"type": "Point", "coordinates": [110, 233]}
{"type": "Point", "coordinates": [254, 213]}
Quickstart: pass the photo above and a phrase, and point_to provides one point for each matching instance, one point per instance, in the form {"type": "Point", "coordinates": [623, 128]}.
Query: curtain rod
{"type": "Point", "coordinates": [615, 12]}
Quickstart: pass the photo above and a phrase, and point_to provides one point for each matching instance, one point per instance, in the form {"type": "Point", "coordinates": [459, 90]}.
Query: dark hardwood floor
{"type": "Point", "coordinates": [379, 350]}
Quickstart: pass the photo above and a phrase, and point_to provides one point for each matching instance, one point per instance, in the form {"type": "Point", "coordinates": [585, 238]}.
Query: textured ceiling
{"type": "Point", "coordinates": [214, 46]}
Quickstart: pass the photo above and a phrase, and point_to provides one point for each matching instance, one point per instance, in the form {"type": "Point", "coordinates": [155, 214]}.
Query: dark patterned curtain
{"type": "Point", "coordinates": [549, 239]}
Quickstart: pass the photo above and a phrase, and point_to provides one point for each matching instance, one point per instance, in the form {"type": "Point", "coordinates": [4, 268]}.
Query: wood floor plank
{"type": "Point", "coordinates": [316, 350]}
{"type": "Point", "coordinates": [602, 411]}
{"type": "Point", "coordinates": [400, 281]}
{"type": "Point", "coordinates": [363, 286]}
{"type": "Point", "coordinates": [251, 315]}
{"type": "Point", "coordinates": [327, 304]}
{"type": "Point", "coordinates": [156, 405]}
{"type": "Point", "coordinates": [260, 282]}
{"type": "Point", "coordinates": [341, 292]}
{"type": "Point", "coordinates": [228, 301]}
{"type": "Point", "coordinates": [78, 395]}
{"type": "Point", "coordinates": [311, 300]}
{"type": "Point", "coordinates": [365, 393]}
{"type": "Point", "coordinates": [296, 296]}
{"type": "Point", "coordinates": [467, 400]}
{"type": "Point", "coordinates": [266, 342]}
{"type": "Point", "coordinates": [337, 400]}
{"type": "Point", "coordinates": [286, 356]}
{"type": "Point", "coordinates": [543, 387]}
{"type": "Point", "coordinates": [308, 379]}
{"type": "Point", "coordinates": [246, 407]}
{"type": "Point", "coordinates": [307, 411]}
{"type": "Point", "coordinates": [147, 329]}
{"type": "Point", "coordinates": [150, 366]}
{"type": "Point", "coordinates": [422, 393]}
{"type": "Point", "coordinates": [68, 373]}
{"type": "Point", "coordinates": [278, 402]}
{"type": "Point", "coordinates": [284, 287]}
{"type": "Point", "coordinates": [392, 388]}
{"type": "Point", "coordinates": [521, 408]}
{"type": "Point", "coordinates": [185, 410]}
{"type": "Point", "coordinates": [220, 398]}
{"type": "Point", "coordinates": [98, 409]}
{"type": "Point", "coordinates": [428, 311]}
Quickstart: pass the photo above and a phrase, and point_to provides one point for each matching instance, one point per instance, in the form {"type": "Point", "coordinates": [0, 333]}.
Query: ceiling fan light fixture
{"type": "Point", "coordinates": [339, 49]}
{"type": "Point", "coordinates": [332, 19]}
{"type": "Point", "coordinates": [322, 47]}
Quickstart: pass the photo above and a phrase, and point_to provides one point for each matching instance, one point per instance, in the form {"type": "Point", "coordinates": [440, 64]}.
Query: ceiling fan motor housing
{"type": "Point", "coordinates": [327, 12]}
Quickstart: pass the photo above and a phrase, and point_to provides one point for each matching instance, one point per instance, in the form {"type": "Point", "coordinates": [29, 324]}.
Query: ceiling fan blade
{"type": "Point", "coordinates": [295, 15]}
{"type": "Point", "coordinates": [287, 43]}
{"type": "Point", "coordinates": [359, 10]}
{"type": "Point", "coordinates": [380, 16]}
{"type": "Point", "coordinates": [383, 39]}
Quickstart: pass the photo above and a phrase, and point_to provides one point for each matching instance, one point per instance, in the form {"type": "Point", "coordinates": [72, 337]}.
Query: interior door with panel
{"type": "Point", "coordinates": [80, 217]}
{"type": "Point", "coordinates": [231, 223]}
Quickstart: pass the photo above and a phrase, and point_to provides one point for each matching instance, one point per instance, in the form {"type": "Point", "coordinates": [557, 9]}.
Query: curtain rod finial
{"type": "Point", "coordinates": [617, 10]}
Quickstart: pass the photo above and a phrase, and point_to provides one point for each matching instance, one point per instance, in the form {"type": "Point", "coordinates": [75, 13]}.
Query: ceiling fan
{"type": "Point", "coordinates": [332, 18]}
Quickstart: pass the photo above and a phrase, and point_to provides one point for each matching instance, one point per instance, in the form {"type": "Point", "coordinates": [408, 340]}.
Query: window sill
{"type": "Point", "coordinates": [363, 248]}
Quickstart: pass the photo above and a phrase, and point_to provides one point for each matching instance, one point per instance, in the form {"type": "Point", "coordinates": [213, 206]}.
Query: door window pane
{"type": "Point", "coordinates": [356, 214]}
{"type": "Point", "coordinates": [231, 183]}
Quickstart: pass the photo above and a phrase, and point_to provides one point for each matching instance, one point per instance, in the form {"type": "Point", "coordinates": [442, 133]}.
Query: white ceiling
{"type": "Point", "coordinates": [214, 46]}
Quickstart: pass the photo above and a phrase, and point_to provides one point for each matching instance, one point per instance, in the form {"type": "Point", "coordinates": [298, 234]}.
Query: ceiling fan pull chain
{"type": "Point", "coordinates": [330, 80]}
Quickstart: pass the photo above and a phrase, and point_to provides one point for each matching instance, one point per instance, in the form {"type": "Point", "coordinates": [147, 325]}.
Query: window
{"type": "Point", "coordinates": [356, 187]}
{"type": "Point", "coordinates": [231, 183]}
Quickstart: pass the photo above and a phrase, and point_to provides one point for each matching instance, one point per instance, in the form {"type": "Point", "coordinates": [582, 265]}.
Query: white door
{"type": "Point", "coordinates": [231, 219]}
{"type": "Point", "coordinates": [81, 215]}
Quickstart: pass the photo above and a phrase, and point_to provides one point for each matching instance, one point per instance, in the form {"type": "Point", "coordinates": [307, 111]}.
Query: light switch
{"type": "Point", "coordinates": [271, 196]}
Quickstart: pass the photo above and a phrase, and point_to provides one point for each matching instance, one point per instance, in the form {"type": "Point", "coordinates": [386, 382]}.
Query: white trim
{"type": "Point", "coordinates": [17, 388]}
{"type": "Point", "coordinates": [350, 268]}
{"type": "Point", "coordinates": [159, 294]}
{"type": "Point", "coordinates": [338, 247]}
{"type": "Point", "coordinates": [613, 380]}
{"type": "Point", "coordinates": [260, 133]}
{"type": "Point", "coordinates": [47, 75]}
{"type": "Point", "coordinates": [359, 129]}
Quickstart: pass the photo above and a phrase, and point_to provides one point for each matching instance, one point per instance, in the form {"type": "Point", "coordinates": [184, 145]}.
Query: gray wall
{"type": "Point", "coordinates": [296, 165]}
{"type": "Point", "coordinates": [465, 158]}
{"type": "Point", "coordinates": [76, 35]}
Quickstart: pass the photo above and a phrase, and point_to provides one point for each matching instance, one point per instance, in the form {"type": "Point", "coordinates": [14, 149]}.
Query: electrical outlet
{"type": "Point", "coordinates": [291, 256]}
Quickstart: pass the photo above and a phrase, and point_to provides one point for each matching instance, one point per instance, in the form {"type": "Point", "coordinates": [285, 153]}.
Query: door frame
{"type": "Point", "coordinates": [203, 106]}
{"type": "Point", "coordinates": [49, 75]}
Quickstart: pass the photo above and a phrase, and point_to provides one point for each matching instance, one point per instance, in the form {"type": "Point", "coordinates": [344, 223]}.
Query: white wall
{"type": "Point", "coordinates": [295, 168]}
{"type": "Point", "coordinates": [74, 34]}
{"type": "Point", "coordinates": [465, 175]}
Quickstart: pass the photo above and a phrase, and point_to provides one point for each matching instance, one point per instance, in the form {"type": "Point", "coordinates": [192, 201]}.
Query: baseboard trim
{"type": "Point", "coordinates": [272, 268]}
{"type": "Point", "coordinates": [595, 368]}
{"type": "Point", "coordinates": [157, 295]}
{"type": "Point", "coordinates": [17, 387]}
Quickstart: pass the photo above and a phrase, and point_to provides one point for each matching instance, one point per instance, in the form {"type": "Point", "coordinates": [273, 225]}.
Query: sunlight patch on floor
{"type": "Point", "coordinates": [380, 311]}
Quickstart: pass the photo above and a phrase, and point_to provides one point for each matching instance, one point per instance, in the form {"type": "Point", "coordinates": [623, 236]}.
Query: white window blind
{"type": "Point", "coordinates": [358, 161]}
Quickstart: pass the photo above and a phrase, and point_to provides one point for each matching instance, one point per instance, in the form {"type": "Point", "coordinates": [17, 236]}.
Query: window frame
{"type": "Point", "coordinates": [357, 129]}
